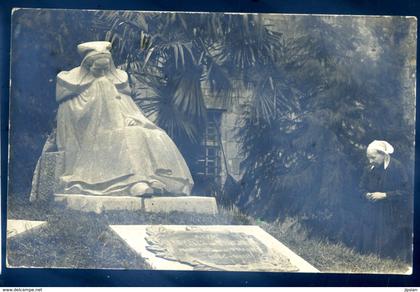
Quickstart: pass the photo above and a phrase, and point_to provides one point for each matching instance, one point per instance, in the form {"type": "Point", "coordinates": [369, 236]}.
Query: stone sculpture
{"type": "Point", "coordinates": [104, 145]}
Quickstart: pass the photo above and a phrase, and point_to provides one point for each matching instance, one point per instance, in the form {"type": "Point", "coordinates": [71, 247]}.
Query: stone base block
{"type": "Point", "coordinates": [98, 204]}
{"type": "Point", "coordinates": [190, 204]}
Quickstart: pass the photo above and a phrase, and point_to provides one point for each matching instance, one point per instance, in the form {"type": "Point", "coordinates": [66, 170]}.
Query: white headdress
{"type": "Point", "coordinates": [384, 147]}
{"type": "Point", "coordinates": [75, 81]}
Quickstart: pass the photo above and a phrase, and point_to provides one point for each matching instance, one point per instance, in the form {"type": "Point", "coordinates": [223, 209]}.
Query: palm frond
{"type": "Point", "coordinates": [248, 42]}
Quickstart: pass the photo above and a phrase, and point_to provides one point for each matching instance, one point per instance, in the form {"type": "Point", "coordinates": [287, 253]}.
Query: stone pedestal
{"type": "Point", "coordinates": [190, 204]}
{"type": "Point", "coordinates": [98, 204]}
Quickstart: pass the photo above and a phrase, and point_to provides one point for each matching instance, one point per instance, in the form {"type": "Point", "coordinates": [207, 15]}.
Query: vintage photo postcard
{"type": "Point", "coordinates": [211, 141]}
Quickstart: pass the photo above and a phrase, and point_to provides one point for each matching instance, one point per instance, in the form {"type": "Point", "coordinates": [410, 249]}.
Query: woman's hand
{"type": "Point", "coordinates": [132, 122]}
{"type": "Point", "coordinates": [376, 196]}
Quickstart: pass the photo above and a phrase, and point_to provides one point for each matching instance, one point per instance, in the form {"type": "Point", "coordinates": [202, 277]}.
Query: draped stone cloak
{"type": "Point", "coordinates": [107, 143]}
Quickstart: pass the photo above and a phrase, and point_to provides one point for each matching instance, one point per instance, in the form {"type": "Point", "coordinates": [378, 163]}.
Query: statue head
{"type": "Point", "coordinates": [97, 62]}
{"type": "Point", "coordinates": [100, 66]}
{"type": "Point", "coordinates": [97, 58]}
{"type": "Point", "coordinates": [89, 48]}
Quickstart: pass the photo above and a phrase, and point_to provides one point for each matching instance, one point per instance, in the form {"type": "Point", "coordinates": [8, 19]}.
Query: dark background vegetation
{"type": "Point", "coordinates": [358, 7]}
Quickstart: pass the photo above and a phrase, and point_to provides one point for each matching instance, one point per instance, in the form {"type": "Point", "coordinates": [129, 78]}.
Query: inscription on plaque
{"type": "Point", "coordinates": [215, 250]}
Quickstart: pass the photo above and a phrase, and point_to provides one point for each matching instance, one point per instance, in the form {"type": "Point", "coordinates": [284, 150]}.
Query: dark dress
{"type": "Point", "coordinates": [387, 223]}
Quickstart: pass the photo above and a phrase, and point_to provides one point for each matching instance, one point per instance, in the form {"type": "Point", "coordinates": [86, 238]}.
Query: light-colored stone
{"type": "Point", "coordinates": [98, 204]}
{"type": "Point", "coordinates": [15, 227]}
{"type": "Point", "coordinates": [190, 204]}
{"type": "Point", "coordinates": [45, 181]}
{"type": "Point", "coordinates": [107, 147]}
{"type": "Point", "coordinates": [138, 238]}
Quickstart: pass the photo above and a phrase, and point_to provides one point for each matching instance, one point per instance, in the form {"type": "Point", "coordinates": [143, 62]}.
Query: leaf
{"type": "Point", "coordinates": [175, 48]}
{"type": "Point", "coordinates": [149, 54]}
{"type": "Point", "coordinates": [190, 51]}
{"type": "Point", "coordinates": [181, 51]}
{"type": "Point", "coordinates": [141, 40]}
{"type": "Point", "coordinates": [271, 82]}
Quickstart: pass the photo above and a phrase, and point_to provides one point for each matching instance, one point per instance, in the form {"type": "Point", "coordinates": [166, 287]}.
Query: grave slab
{"type": "Point", "coordinates": [215, 247]}
{"type": "Point", "coordinates": [15, 227]}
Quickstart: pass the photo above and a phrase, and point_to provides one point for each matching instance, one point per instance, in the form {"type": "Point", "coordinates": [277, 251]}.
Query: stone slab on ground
{"type": "Point", "coordinates": [98, 204]}
{"type": "Point", "coordinates": [15, 227]}
{"type": "Point", "coordinates": [211, 247]}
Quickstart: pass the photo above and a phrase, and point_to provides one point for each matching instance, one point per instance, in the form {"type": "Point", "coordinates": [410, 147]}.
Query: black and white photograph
{"type": "Point", "coordinates": [211, 141]}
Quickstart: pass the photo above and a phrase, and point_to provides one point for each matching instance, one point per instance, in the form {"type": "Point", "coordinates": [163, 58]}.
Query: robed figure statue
{"type": "Point", "coordinates": [105, 144]}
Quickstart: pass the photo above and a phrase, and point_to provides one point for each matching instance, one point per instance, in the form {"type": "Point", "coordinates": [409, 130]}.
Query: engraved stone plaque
{"type": "Point", "coordinates": [216, 247]}
{"type": "Point", "coordinates": [220, 250]}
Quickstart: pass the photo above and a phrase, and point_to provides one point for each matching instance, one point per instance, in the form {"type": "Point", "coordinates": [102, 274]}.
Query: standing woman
{"type": "Point", "coordinates": [387, 209]}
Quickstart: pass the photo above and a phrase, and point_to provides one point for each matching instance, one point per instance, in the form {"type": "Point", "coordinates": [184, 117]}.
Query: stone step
{"type": "Point", "coordinates": [15, 227]}
{"type": "Point", "coordinates": [161, 204]}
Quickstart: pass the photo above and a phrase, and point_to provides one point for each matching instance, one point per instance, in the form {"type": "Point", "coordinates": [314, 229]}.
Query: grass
{"type": "Point", "coordinates": [76, 242]}
{"type": "Point", "coordinates": [83, 240]}
{"type": "Point", "coordinates": [327, 256]}
{"type": "Point", "coordinates": [74, 239]}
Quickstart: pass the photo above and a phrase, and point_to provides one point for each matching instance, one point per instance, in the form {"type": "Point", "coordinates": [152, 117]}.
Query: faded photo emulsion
{"type": "Point", "coordinates": [211, 141]}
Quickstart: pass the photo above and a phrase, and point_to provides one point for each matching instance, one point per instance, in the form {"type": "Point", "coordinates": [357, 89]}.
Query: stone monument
{"type": "Point", "coordinates": [105, 154]}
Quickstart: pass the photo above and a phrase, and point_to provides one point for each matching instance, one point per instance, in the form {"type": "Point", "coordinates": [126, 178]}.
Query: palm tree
{"type": "Point", "coordinates": [176, 54]}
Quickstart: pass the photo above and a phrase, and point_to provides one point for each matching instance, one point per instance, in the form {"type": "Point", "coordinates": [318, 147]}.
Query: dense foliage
{"type": "Point", "coordinates": [307, 159]}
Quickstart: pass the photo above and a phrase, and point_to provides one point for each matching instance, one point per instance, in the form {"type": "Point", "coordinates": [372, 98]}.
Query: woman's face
{"type": "Point", "coordinates": [375, 157]}
{"type": "Point", "coordinates": [100, 67]}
